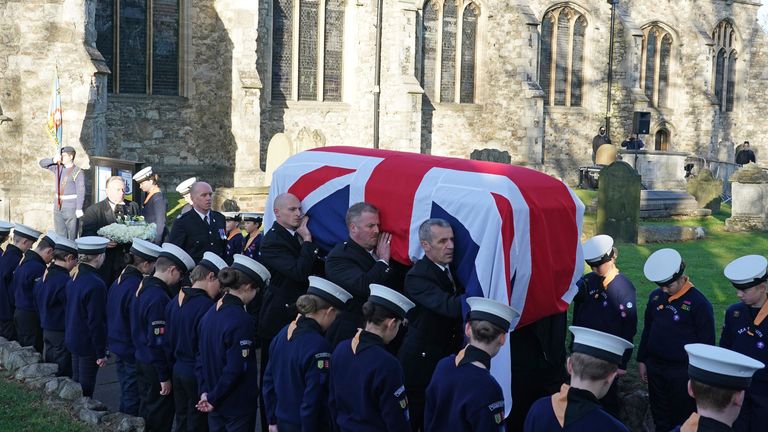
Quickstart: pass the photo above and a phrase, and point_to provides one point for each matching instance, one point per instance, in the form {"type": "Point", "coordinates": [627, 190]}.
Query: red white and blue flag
{"type": "Point", "coordinates": [517, 231]}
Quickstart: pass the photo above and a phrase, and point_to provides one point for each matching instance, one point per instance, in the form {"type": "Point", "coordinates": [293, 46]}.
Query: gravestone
{"type": "Point", "coordinates": [491, 155]}
{"type": "Point", "coordinates": [618, 202]}
{"type": "Point", "coordinates": [606, 154]}
{"type": "Point", "coordinates": [280, 148]}
{"type": "Point", "coordinates": [706, 189]}
{"type": "Point", "coordinates": [749, 192]}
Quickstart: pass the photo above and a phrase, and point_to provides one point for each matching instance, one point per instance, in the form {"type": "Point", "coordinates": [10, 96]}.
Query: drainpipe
{"type": "Point", "coordinates": [377, 75]}
{"type": "Point", "coordinates": [610, 69]}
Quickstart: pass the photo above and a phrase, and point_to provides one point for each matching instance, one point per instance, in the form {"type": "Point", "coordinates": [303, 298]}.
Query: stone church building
{"type": "Point", "coordinates": [201, 87]}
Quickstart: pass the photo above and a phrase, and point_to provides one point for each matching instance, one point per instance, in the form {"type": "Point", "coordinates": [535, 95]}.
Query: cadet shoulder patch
{"type": "Point", "coordinates": [158, 328]}
{"type": "Point", "coordinates": [399, 391]}
{"type": "Point", "coordinates": [245, 347]}
{"type": "Point", "coordinates": [323, 360]}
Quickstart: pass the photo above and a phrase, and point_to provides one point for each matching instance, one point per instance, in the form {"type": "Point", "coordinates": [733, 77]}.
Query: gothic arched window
{"type": "Point", "coordinates": [139, 40]}
{"type": "Point", "coordinates": [449, 50]}
{"type": "Point", "coordinates": [316, 29]}
{"type": "Point", "coordinates": [724, 65]}
{"type": "Point", "coordinates": [561, 67]}
{"type": "Point", "coordinates": [657, 50]}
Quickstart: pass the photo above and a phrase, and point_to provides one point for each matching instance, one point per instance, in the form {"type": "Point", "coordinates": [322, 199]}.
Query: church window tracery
{"type": "Point", "coordinates": [561, 66]}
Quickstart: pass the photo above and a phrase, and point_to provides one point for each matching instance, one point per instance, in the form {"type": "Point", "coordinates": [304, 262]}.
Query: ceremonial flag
{"type": "Point", "coordinates": [516, 230]}
{"type": "Point", "coordinates": [54, 115]}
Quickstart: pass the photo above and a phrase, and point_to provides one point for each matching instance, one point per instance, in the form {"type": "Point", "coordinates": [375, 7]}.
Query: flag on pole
{"type": "Point", "coordinates": [54, 115]}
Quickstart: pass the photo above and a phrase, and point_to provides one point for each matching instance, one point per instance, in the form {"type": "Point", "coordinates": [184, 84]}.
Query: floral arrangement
{"type": "Point", "coordinates": [128, 227]}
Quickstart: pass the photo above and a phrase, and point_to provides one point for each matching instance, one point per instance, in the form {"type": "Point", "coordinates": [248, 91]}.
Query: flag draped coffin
{"type": "Point", "coordinates": [517, 231]}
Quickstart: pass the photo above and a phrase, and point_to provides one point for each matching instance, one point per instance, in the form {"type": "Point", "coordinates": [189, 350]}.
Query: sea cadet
{"type": "Point", "coordinates": [367, 391]}
{"type": "Point", "coordinates": [31, 268]}
{"type": "Point", "coordinates": [296, 383]}
{"type": "Point", "coordinates": [23, 239]}
{"type": "Point", "coordinates": [252, 223]}
{"type": "Point", "coordinates": [462, 394]}
{"type": "Point", "coordinates": [235, 239]}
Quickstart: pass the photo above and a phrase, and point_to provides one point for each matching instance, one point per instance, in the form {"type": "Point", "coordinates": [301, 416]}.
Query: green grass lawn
{"type": "Point", "coordinates": [24, 410]}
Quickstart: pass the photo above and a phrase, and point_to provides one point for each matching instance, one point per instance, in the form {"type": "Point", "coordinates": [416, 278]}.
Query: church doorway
{"type": "Point", "coordinates": [662, 140]}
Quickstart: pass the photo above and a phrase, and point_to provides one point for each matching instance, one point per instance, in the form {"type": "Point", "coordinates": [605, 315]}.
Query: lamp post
{"type": "Point", "coordinates": [610, 69]}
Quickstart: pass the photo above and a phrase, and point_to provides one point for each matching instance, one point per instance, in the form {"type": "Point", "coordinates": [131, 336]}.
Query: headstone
{"type": "Point", "coordinates": [706, 189]}
{"type": "Point", "coordinates": [618, 202]}
{"type": "Point", "coordinates": [749, 193]}
{"type": "Point", "coordinates": [606, 154]}
{"type": "Point", "coordinates": [491, 155]}
{"type": "Point", "coordinates": [280, 148]}
{"type": "Point", "coordinates": [308, 139]}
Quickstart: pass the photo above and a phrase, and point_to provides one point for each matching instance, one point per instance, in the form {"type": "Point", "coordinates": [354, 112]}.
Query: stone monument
{"type": "Point", "coordinates": [706, 189]}
{"type": "Point", "coordinates": [749, 192]}
{"type": "Point", "coordinates": [618, 202]}
{"type": "Point", "coordinates": [606, 154]}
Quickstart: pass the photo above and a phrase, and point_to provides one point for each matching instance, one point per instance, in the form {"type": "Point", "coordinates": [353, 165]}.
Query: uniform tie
{"type": "Point", "coordinates": [207, 222]}
{"type": "Point", "coordinates": [447, 272]}
{"type": "Point", "coordinates": [298, 238]}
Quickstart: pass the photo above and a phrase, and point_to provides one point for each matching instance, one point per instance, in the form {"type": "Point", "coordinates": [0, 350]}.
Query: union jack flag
{"type": "Point", "coordinates": [517, 231]}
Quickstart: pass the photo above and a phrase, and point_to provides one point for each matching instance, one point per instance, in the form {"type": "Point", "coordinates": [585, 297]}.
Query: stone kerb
{"type": "Point", "coordinates": [24, 365]}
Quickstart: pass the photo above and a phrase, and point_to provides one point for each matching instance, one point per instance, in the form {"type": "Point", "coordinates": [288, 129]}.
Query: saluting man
{"type": "Point", "coordinates": [70, 191]}
{"type": "Point", "coordinates": [31, 269]}
{"type": "Point", "coordinates": [746, 331]}
{"type": "Point", "coordinates": [677, 314]}
{"type": "Point", "coordinates": [295, 387]}
{"type": "Point", "coordinates": [606, 301]}
{"type": "Point", "coordinates": [462, 394]}
{"type": "Point", "coordinates": [593, 367]}
{"type": "Point", "coordinates": [148, 322]}
{"type": "Point", "coordinates": [50, 302]}
{"type": "Point", "coordinates": [235, 240]}
{"type": "Point", "coordinates": [23, 239]}
{"type": "Point", "coordinates": [719, 379]}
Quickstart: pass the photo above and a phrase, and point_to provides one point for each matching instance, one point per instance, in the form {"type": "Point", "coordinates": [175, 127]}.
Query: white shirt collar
{"type": "Point", "coordinates": [202, 215]}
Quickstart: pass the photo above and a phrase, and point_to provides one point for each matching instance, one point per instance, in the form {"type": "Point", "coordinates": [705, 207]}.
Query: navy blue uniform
{"type": "Point", "coordinates": [463, 396]}
{"type": "Point", "coordinates": [25, 317]}
{"type": "Point", "coordinates": [226, 367]}
{"type": "Point", "coordinates": [251, 246]}
{"type": "Point", "coordinates": [8, 263]}
{"type": "Point", "coordinates": [296, 384]}
{"type": "Point", "coordinates": [745, 330]}
{"type": "Point", "coordinates": [154, 211]}
{"type": "Point", "coordinates": [366, 388]}
{"type": "Point", "coordinates": [235, 244]}
{"type": "Point", "coordinates": [669, 326]}
{"type": "Point", "coordinates": [121, 295]}
{"type": "Point", "coordinates": [191, 233]}
{"type": "Point", "coordinates": [579, 410]}
{"type": "Point", "coordinates": [86, 325]}
{"type": "Point", "coordinates": [50, 302]}
{"type": "Point", "coordinates": [183, 314]}
{"type": "Point", "coordinates": [152, 357]}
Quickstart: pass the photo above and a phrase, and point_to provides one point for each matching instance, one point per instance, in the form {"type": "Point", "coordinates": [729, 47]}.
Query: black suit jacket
{"type": "Point", "coordinates": [191, 233]}
{"type": "Point", "coordinates": [434, 325]}
{"type": "Point", "coordinates": [290, 264]}
{"type": "Point", "coordinates": [99, 215]}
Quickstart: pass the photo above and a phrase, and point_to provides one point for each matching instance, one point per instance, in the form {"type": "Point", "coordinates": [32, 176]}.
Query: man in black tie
{"type": "Point", "coordinates": [201, 230]}
{"type": "Point", "coordinates": [290, 256]}
{"type": "Point", "coordinates": [435, 324]}
{"type": "Point", "coordinates": [355, 264]}
{"type": "Point", "coordinates": [103, 213]}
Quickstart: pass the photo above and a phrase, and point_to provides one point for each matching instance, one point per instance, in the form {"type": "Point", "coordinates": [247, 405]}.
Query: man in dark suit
{"type": "Point", "coordinates": [355, 264]}
{"type": "Point", "coordinates": [290, 256]}
{"type": "Point", "coordinates": [435, 324]}
{"type": "Point", "coordinates": [201, 229]}
{"type": "Point", "coordinates": [103, 213]}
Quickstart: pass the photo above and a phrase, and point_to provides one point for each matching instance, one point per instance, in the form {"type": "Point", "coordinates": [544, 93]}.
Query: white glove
{"type": "Point", "coordinates": [78, 213]}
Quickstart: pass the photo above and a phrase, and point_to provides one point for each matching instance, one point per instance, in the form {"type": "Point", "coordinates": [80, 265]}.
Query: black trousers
{"type": "Point", "coordinates": [528, 386]}
{"type": "Point", "coordinates": [54, 351]}
{"type": "Point", "coordinates": [8, 330]}
{"type": "Point", "coordinates": [157, 410]}
{"type": "Point", "coordinates": [185, 397]}
{"type": "Point", "coordinates": [28, 331]}
{"type": "Point", "coordinates": [668, 393]}
{"type": "Point", "coordinates": [222, 423]}
{"type": "Point", "coordinates": [84, 370]}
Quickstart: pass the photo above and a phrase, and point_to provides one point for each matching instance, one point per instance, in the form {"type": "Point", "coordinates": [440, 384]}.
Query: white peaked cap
{"type": "Point", "coordinates": [747, 271]}
{"type": "Point", "coordinates": [496, 313]}
{"type": "Point", "coordinates": [91, 245]}
{"type": "Point", "coordinates": [597, 249]}
{"type": "Point", "coordinates": [184, 187]}
{"type": "Point", "coordinates": [27, 232]}
{"type": "Point", "coordinates": [143, 174]}
{"type": "Point", "coordinates": [213, 262]}
{"type": "Point", "coordinates": [328, 291]}
{"type": "Point", "coordinates": [5, 226]}
{"type": "Point", "coordinates": [390, 299]}
{"type": "Point", "coordinates": [145, 249]}
{"type": "Point", "coordinates": [720, 367]}
{"type": "Point", "coordinates": [178, 256]}
{"type": "Point", "coordinates": [252, 268]}
{"type": "Point", "coordinates": [663, 266]}
{"type": "Point", "coordinates": [599, 344]}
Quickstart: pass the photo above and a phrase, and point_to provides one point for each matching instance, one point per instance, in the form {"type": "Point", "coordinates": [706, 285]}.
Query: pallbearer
{"type": "Point", "coordinates": [184, 189]}
{"type": "Point", "coordinates": [227, 367]}
{"type": "Point", "coordinates": [23, 239]}
{"type": "Point", "coordinates": [155, 205]}
{"type": "Point", "coordinates": [746, 331]}
{"type": "Point", "coordinates": [50, 301]}
{"type": "Point", "coordinates": [85, 318]}
{"type": "Point", "coordinates": [252, 223]}
{"type": "Point", "coordinates": [235, 240]}
{"type": "Point", "coordinates": [367, 391]}
{"type": "Point", "coordinates": [462, 394]}
{"type": "Point", "coordinates": [296, 381]}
